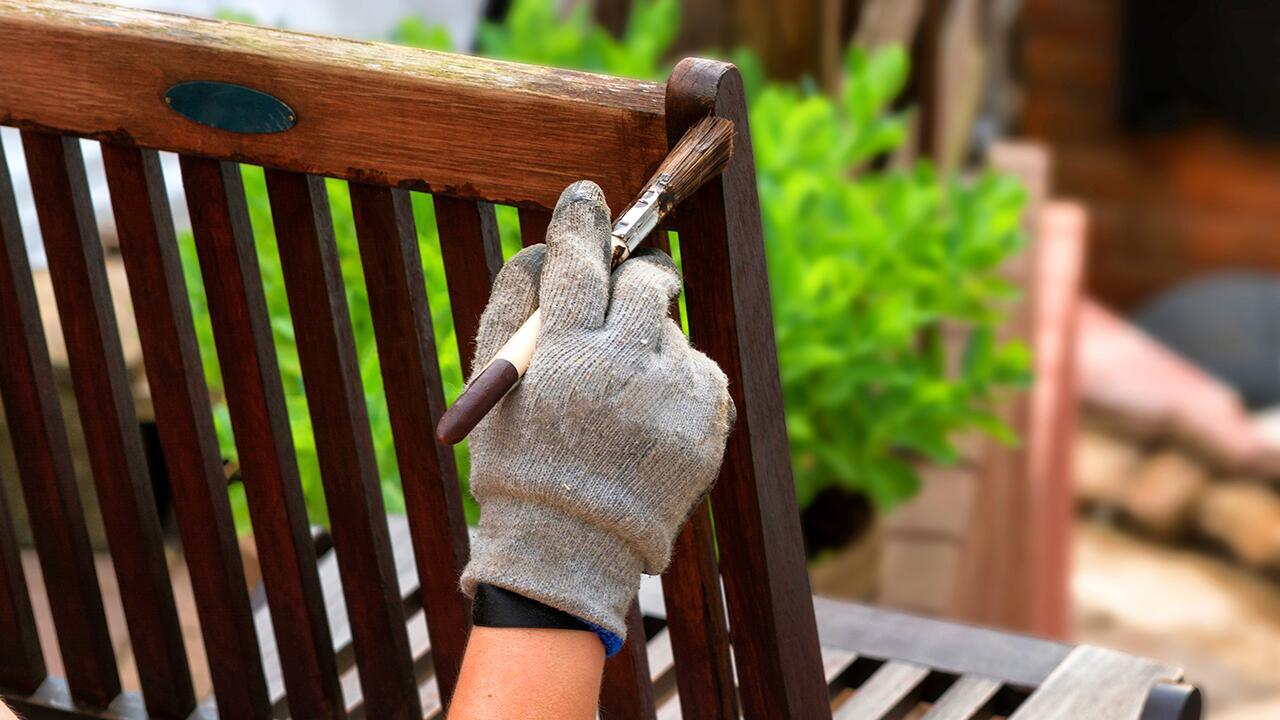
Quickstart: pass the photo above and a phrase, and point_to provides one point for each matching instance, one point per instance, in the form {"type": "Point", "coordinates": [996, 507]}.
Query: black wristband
{"type": "Point", "coordinates": [501, 608]}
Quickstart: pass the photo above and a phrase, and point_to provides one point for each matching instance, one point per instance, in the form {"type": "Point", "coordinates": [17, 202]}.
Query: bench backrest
{"type": "Point", "coordinates": [388, 120]}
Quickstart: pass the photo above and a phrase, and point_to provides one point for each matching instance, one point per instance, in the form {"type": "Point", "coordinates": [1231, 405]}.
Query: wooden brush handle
{"type": "Point", "coordinates": [700, 155]}
{"type": "Point", "coordinates": [492, 384]}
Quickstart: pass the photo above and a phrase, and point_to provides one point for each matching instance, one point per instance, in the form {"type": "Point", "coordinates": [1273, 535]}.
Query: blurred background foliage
{"type": "Point", "coordinates": [867, 265]}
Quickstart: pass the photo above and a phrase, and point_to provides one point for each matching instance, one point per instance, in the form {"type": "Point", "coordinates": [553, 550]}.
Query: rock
{"type": "Point", "coordinates": [1105, 466]}
{"type": "Point", "coordinates": [1164, 492]}
{"type": "Point", "coordinates": [1245, 517]}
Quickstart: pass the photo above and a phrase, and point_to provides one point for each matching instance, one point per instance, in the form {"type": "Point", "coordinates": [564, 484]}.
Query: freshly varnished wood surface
{"type": "Point", "coordinates": [365, 111]}
{"type": "Point", "coordinates": [184, 420]}
{"type": "Point", "coordinates": [415, 400]}
{"type": "Point", "coordinates": [44, 465]}
{"type": "Point", "coordinates": [766, 580]}
{"type": "Point", "coordinates": [626, 689]}
{"type": "Point", "coordinates": [264, 443]}
{"type": "Point", "coordinates": [21, 662]}
{"type": "Point", "coordinates": [344, 443]}
{"type": "Point", "coordinates": [472, 254]}
{"type": "Point", "coordinates": [110, 423]}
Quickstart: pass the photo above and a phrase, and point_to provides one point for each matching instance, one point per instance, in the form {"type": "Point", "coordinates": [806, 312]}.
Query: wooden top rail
{"type": "Point", "coordinates": [365, 111]}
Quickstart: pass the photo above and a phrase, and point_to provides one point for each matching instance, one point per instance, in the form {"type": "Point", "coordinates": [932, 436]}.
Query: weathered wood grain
{"type": "Point", "coordinates": [1020, 661]}
{"type": "Point", "coordinates": [1098, 684]}
{"type": "Point", "coordinates": [968, 698]}
{"type": "Point", "coordinates": [120, 473]}
{"type": "Point", "coordinates": [415, 400]}
{"type": "Point", "coordinates": [365, 111]}
{"type": "Point", "coordinates": [888, 694]}
{"type": "Point", "coordinates": [264, 443]}
{"type": "Point", "coordinates": [44, 467]}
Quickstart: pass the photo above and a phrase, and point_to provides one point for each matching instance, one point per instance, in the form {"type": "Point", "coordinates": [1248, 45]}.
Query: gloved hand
{"type": "Point", "coordinates": [589, 468]}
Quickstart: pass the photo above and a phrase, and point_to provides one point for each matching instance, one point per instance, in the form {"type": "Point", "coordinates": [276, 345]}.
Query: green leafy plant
{"type": "Point", "coordinates": [865, 267]}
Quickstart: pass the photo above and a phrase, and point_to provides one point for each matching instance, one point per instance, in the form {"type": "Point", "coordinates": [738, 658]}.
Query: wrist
{"type": "Point", "coordinates": [560, 560]}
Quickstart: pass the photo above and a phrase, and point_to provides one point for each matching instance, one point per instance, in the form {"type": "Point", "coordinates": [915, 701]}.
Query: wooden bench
{"type": "Point", "coordinates": [736, 633]}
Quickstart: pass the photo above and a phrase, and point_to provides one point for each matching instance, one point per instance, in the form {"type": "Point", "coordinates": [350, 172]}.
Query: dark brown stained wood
{"type": "Point", "coordinates": [968, 698]}
{"type": "Point", "coordinates": [78, 272]}
{"type": "Point", "coordinates": [44, 466]}
{"type": "Point", "coordinates": [184, 419]}
{"type": "Point", "coordinates": [626, 691]}
{"type": "Point", "coordinates": [54, 702]}
{"type": "Point", "coordinates": [369, 112]}
{"type": "Point", "coordinates": [259, 419]}
{"type": "Point", "coordinates": [775, 637]}
{"type": "Point", "coordinates": [1021, 662]}
{"type": "Point", "coordinates": [472, 254]}
{"type": "Point", "coordinates": [415, 400]}
{"type": "Point", "coordinates": [339, 419]}
{"type": "Point", "coordinates": [889, 694]}
{"type": "Point", "coordinates": [533, 225]}
{"type": "Point", "coordinates": [694, 599]}
{"type": "Point", "coordinates": [21, 662]}
{"type": "Point", "coordinates": [696, 621]}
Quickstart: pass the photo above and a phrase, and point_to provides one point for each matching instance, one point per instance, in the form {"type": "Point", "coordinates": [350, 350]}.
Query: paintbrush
{"type": "Point", "coordinates": [700, 155]}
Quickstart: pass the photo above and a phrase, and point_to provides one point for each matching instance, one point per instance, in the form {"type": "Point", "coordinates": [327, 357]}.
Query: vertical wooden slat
{"type": "Point", "coordinates": [339, 418]}
{"type": "Point", "coordinates": [78, 270]}
{"type": "Point", "coordinates": [44, 466]}
{"type": "Point", "coordinates": [730, 317]}
{"type": "Point", "coordinates": [472, 254]}
{"type": "Point", "coordinates": [21, 662]}
{"type": "Point", "coordinates": [415, 400]}
{"type": "Point", "coordinates": [696, 620]}
{"type": "Point", "coordinates": [184, 420]}
{"type": "Point", "coordinates": [259, 418]}
{"type": "Point", "coordinates": [533, 225]}
{"type": "Point", "coordinates": [626, 690]}
{"type": "Point", "coordinates": [695, 603]}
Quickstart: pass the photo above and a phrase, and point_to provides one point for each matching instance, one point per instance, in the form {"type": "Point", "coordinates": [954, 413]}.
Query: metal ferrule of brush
{"type": "Point", "coordinates": [639, 220]}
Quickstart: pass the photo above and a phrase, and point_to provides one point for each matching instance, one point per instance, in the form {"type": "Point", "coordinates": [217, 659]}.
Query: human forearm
{"type": "Point", "coordinates": [529, 673]}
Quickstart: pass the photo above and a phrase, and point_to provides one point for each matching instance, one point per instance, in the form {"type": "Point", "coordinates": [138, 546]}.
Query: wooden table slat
{"type": "Point", "coordinates": [1098, 684]}
{"type": "Point", "coordinates": [888, 694]}
{"type": "Point", "coordinates": [184, 420]}
{"type": "Point", "coordinates": [968, 698]}
{"type": "Point", "coordinates": [1021, 661]}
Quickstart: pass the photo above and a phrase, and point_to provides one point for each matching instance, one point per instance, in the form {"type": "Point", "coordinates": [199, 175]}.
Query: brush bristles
{"type": "Point", "coordinates": [700, 155]}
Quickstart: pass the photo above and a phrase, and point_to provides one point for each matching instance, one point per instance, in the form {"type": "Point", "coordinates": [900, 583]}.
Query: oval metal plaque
{"type": "Point", "coordinates": [231, 107]}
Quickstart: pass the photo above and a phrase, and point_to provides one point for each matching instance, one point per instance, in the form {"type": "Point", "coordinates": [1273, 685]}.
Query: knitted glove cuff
{"type": "Point", "coordinates": [556, 558]}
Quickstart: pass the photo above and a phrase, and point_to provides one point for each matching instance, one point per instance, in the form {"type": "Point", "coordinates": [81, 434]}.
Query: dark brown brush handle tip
{"type": "Point", "coordinates": [476, 400]}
